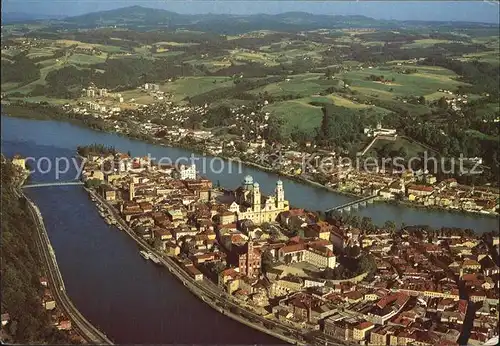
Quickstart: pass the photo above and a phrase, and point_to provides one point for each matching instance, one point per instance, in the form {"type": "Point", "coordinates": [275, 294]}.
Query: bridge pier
{"type": "Point", "coordinates": [354, 204]}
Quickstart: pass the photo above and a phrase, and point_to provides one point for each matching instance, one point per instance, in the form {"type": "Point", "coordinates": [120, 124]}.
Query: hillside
{"type": "Point", "coordinates": [138, 16]}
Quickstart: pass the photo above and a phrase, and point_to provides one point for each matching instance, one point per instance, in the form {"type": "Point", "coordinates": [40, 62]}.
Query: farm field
{"type": "Point", "coordinates": [296, 114]}
{"type": "Point", "coordinates": [400, 145]}
{"type": "Point", "coordinates": [343, 102]}
{"type": "Point", "coordinates": [302, 85]}
{"type": "Point", "coordinates": [85, 59]}
{"type": "Point", "coordinates": [191, 86]}
{"type": "Point", "coordinates": [492, 57]}
{"type": "Point", "coordinates": [424, 82]}
{"type": "Point", "coordinates": [426, 42]}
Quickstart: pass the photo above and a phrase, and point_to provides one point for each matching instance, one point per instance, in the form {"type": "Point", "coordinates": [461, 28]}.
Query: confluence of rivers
{"type": "Point", "coordinates": [128, 298]}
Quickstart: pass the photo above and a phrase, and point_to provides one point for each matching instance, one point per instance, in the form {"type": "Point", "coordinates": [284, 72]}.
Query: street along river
{"type": "Point", "coordinates": [132, 300]}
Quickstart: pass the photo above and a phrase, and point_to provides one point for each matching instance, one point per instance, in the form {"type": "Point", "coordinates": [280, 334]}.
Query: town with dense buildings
{"type": "Point", "coordinates": [380, 110]}
{"type": "Point", "coordinates": [335, 171]}
{"type": "Point", "coordinates": [413, 286]}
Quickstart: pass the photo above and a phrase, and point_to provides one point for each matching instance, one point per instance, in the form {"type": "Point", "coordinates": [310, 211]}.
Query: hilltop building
{"type": "Point", "coordinates": [379, 131]}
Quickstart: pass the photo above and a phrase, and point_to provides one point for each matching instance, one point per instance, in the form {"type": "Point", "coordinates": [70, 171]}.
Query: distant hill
{"type": "Point", "coordinates": [14, 17]}
{"type": "Point", "coordinates": [138, 16]}
{"type": "Point", "coordinates": [149, 18]}
{"type": "Point", "coordinates": [131, 15]}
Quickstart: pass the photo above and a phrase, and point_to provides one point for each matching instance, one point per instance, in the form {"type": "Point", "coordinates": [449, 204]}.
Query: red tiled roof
{"type": "Point", "coordinates": [421, 188]}
{"type": "Point", "coordinates": [293, 248]}
{"type": "Point", "coordinates": [364, 325]}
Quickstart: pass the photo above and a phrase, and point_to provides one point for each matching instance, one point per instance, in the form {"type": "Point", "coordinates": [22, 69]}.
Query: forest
{"type": "Point", "coordinates": [21, 271]}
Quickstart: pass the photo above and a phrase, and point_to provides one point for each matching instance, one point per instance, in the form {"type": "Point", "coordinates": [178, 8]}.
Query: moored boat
{"type": "Point", "coordinates": [153, 258]}
{"type": "Point", "coordinates": [144, 254]}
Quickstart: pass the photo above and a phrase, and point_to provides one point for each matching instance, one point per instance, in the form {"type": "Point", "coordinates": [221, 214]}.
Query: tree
{"type": "Point", "coordinates": [367, 223]}
{"type": "Point", "coordinates": [390, 225]}
{"type": "Point", "coordinates": [217, 267]}
{"type": "Point", "coordinates": [267, 260]}
{"type": "Point", "coordinates": [187, 247]}
{"type": "Point", "coordinates": [442, 103]}
{"type": "Point", "coordinates": [355, 221]}
{"type": "Point", "coordinates": [353, 251]}
{"type": "Point", "coordinates": [367, 264]}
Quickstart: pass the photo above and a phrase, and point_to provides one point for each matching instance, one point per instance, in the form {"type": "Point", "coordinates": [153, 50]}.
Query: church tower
{"type": "Point", "coordinates": [131, 191]}
{"type": "Point", "coordinates": [280, 195]}
{"type": "Point", "coordinates": [256, 199]}
{"type": "Point", "coordinates": [250, 258]}
{"type": "Point", "coordinates": [248, 183]}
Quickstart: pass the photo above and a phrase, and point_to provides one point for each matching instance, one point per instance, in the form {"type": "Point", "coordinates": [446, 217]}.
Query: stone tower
{"type": "Point", "coordinates": [131, 191]}
{"type": "Point", "coordinates": [280, 195]}
{"type": "Point", "coordinates": [256, 199]}
{"type": "Point", "coordinates": [248, 183]}
{"type": "Point", "coordinates": [250, 258]}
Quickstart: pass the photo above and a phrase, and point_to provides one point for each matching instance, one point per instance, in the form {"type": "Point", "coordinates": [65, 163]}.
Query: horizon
{"type": "Point", "coordinates": [445, 11]}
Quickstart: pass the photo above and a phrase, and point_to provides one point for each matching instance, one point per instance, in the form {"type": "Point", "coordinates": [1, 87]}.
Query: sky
{"type": "Point", "coordinates": [474, 11]}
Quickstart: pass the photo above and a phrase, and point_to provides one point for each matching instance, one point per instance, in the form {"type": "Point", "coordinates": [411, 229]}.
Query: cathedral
{"type": "Point", "coordinates": [250, 204]}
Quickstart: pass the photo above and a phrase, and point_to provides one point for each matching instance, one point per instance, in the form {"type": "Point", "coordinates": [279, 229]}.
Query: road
{"type": "Point", "coordinates": [220, 300]}
{"type": "Point", "coordinates": [90, 333]}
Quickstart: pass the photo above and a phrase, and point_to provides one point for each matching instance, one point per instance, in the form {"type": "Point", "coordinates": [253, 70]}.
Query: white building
{"type": "Point", "coordinates": [379, 131]}
{"type": "Point", "coordinates": [188, 172]}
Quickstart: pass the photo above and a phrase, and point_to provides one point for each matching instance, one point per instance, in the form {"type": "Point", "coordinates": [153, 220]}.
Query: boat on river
{"type": "Point", "coordinates": [144, 254]}
{"type": "Point", "coordinates": [153, 258]}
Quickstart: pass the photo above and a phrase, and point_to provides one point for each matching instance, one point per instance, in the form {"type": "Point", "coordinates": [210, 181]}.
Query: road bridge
{"type": "Point", "coordinates": [353, 204]}
{"type": "Point", "coordinates": [61, 183]}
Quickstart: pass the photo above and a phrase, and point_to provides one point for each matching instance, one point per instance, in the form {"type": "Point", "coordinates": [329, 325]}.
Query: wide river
{"type": "Point", "coordinates": [130, 299]}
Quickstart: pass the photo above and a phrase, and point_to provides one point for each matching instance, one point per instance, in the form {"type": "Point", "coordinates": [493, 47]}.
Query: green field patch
{"type": "Point", "coordinates": [143, 50]}
{"type": "Point", "coordinates": [296, 113]}
{"type": "Point", "coordinates": [372, 91]}
{"type": "Point", "coordinates": [435, 96]}
{"type": "Point", "coordinates": [248, 56]}
{"type": "Point", "coordinates": [301, 85]}
{"type": "Point", "coordinates": [9, 86]}
{"type": "Point", "coordinates": [373, 43]}
{"type": "Point", "coordinates": [85, 59]}
{"type": "Point", "coordinates": [401, 145]}
{"type": "Point", "coordinates": [482, 136]}
{"type": "Point", "coordinates": [177, 44]}
{"type": "Point", "coordinates": [489, 57]}
{"type": "Point", "coordinates": [435, 70]}
{"type": "Point", "coordinates": [343, 102]}
{"type": "Point", "coordinates": [191, 86]}
{"type": "Point", "coordinates": [109, 49]}
{"type": "Point", "coordinates": [423, 82]}
{"type": "Point", "coordinates": [168, 53]}
{"type": "Point", "coordinates": [426, 42]}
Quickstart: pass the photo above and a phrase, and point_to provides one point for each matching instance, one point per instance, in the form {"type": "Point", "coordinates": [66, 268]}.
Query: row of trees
{"type": "Point", "coordinates": [96, 148]}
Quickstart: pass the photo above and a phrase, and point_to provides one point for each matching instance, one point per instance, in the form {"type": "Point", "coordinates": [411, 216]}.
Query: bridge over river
{"type": "Point", "coordinates": [59, 183]}
{"type": "Point", "coordinates": [353, 204]}
{"type": "Point", "coordinates": [344, 207]}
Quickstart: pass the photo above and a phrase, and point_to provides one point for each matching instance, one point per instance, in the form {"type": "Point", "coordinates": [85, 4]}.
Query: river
{"type": "Point", "coordinates": [130, 299]}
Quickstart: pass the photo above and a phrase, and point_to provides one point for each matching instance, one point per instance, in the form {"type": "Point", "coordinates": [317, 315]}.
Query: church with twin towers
{"type": "Point", "coordinates": [250, 204]}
